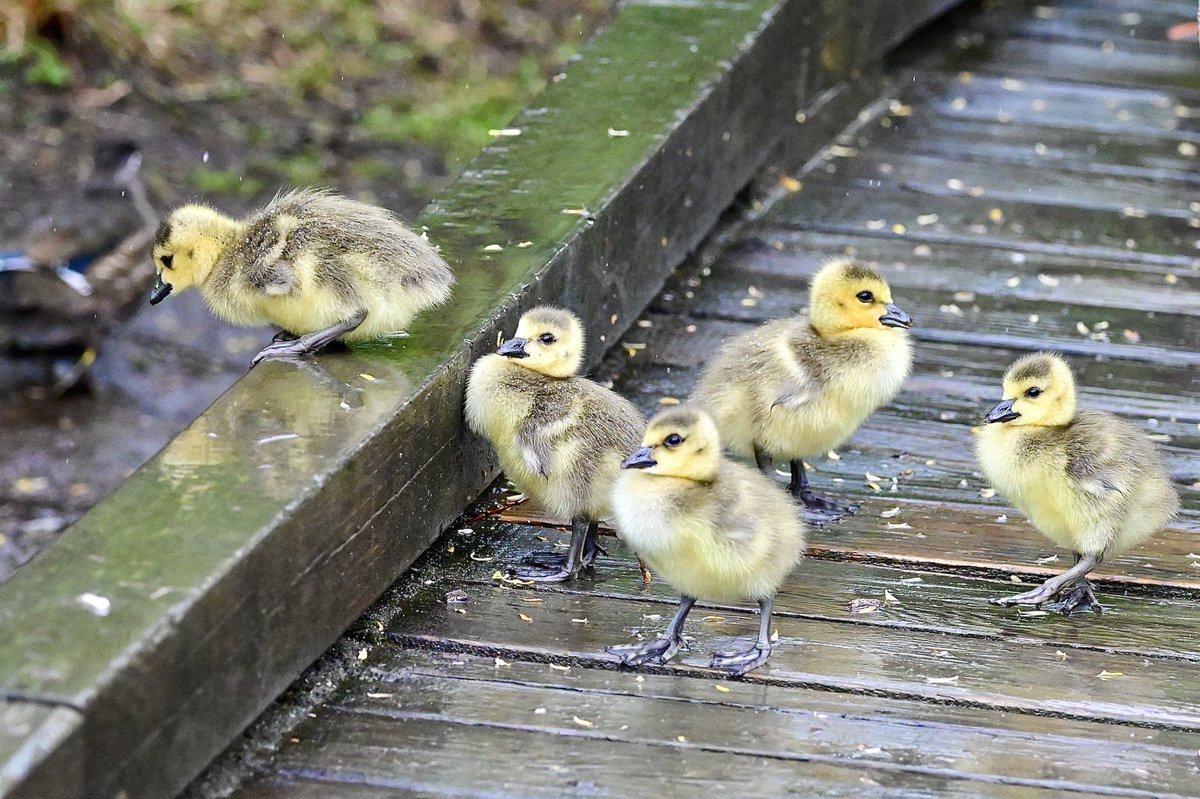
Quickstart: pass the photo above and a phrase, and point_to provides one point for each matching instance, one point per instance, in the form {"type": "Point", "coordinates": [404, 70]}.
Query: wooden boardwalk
{"type": "Point", "coordinates": [1027, 180]}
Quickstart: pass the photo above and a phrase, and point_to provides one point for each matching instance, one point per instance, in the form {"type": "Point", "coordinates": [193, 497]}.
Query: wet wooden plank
{"type": "Point", "coordinates": [1025, 227]}
{"type": "Point", "coordinates": [1124, 154]}
{"type": "Point", "coordinates": [856, 658]}
{"type": "Point", "coordinates": [987, 319]}
{"type": "Point", "coordinates": [1115, 62]}
{"type": "Point", "coordinates": [1133, 23]}
{"type": "Point", "coordinates": [1034, 180]}
{"type": "Point", "coordinates": [1072, 106]}
{"type": "Point", "coordinates": [1057, 278]}
{"type": "Point", "coordinates": [771, 722]}
{"type": "Point", "coordinates": [301, 786]}
{"type": "Point", "coordinates": [921, 596]}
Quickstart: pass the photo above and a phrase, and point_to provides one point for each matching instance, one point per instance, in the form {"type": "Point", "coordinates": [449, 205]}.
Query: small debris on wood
{"type": "Point", "coordinates": [864, 605]}
{"type": "Point", "coordinates": [583, 722]}
{"type": "Point", "coordinates": [457, 597]}
{"type": "Point", "coordinates": [942, 680]}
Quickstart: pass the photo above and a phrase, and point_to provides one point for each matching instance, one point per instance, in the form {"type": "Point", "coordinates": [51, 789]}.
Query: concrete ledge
{"type": "Point", "coordinates": [167, 618]}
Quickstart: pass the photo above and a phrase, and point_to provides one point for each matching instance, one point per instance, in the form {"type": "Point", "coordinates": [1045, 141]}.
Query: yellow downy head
{"type": "Point", "coordinates": [847, 295]}
{"type": "Point", "coordinates": [548, 340]}
{"type": "Point", "coordinates": [187, 246]}
{"type": "Point", "coordinates": [679, 442]}
{"type": "Point", "coordinates": [1039, 389]}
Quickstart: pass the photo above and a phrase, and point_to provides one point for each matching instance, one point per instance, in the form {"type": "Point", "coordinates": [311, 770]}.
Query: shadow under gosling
{"type": "Point", "coordinates": [320, 266]}
{"type": "Point", "coordinates": [713, 528]}
{"type": "Point", "coordinates": [1087, 480]}
{"type": "Point", "coordinates": [798, 387]}
{"type": "Point", "coordinates": [559, 438]}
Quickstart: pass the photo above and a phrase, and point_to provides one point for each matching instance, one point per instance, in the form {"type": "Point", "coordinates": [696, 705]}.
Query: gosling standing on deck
{"type": "Point", "coordinates": [1086, 479]}
{"type": "Point", "coordinates": [559, 437]}
{"type": "Point", "coordinates": [320, 266]}
{"type": "Point", "coordinates": [713, 528]}
{"type": "Point", "coordinates": [796, 388]}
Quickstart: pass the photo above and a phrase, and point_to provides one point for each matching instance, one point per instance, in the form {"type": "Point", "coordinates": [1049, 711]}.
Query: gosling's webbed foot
{"type": "Point", "coordinates": [1035, 597]}
{"type": "Point", "coordinates": [1081, 596]}
{"type": "Point", "coordinates": [658, 651]}
{"type": "Point", "coordinates": [545, 559]}
{"type": "Point", "coordinates": [545, 575]}
{"type": "Point", "coordinates": [738, 663]}
{"type": "Point", "coordinates": [283, 348]}
{"type": "Point", "coordinates": [821, 505]}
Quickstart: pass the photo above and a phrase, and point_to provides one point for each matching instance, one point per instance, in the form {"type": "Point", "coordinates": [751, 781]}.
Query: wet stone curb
{"type": "Point", "coordinates": [158, 626]}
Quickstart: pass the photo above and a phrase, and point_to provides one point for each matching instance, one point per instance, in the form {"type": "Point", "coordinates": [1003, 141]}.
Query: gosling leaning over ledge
{"type": "Point", "coordinates": [320, 266]}
{"type": "Point", "coordinates": [796, 388]}
{"type": "Point", "coordinates": [1087, 480]}
{"type": "Point", "coordinates": [560, 438]}
{"type": "Point", "coordinates": [713, 528]}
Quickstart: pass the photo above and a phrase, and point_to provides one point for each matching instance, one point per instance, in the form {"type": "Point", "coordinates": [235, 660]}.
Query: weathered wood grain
{"type": "Point", "coordinates": [924, 598]}
{"type": "Point", "coordinates": [775, 722]}
{"type": "Point", "coordinates": [456, 758]}
{"type": "Point", "coordinates": [1035, 180]}
{"type": "Point", "coordinates": [1025, 227]}
{"type": "Point", "coordinates": [896, 662]}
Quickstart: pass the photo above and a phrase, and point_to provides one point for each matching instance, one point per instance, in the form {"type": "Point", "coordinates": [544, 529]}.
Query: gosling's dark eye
{"type": "Point", "coordinates": [1033, 392]}
{"type": "Point", "coordinates": [673, 440]}
{"type": "Point", "coordinates": [166, 261]}
{"type": "Point", "coordinates": [865, 296]}
{"type": "Point", "coordinates": [547, 338]}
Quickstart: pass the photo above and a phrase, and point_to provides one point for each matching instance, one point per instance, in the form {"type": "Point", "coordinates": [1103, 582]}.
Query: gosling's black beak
{"type": "Point", "coordinates": [513, 348]}
{"type": "Point", "coordinates": [639, 460]}
{"type": "Point", "coordinates": [895, 317]}
{"type": "Point", "coordinates": [160, 290]}
{"type": "Point", "coordinates": [1002, 413]}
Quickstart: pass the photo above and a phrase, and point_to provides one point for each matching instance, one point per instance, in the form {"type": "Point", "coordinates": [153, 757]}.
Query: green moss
{"type": "Point", "coordinates": [225, 181]}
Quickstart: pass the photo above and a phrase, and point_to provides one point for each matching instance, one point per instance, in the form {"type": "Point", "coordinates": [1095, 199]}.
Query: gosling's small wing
{"type": "Point", "coordinates": [262, 247]}
{"type": "Point", "coordinates": [1103, 454]}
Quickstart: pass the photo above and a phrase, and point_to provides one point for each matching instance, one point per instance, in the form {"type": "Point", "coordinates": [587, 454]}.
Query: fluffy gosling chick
{"type": "Point", "coordinates": [1086, 479]}
{"type": "Point", "coordinates": [798, 387]}
{"type": "Point", "coordinates": [559, 437]}
{"type": "Point", "coordinates": [713, 528]}
{"type": "Point", "coordinates": [320, 266]}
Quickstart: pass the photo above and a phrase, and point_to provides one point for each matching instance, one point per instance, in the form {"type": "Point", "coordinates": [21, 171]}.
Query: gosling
{"type": "Point", "coordinates": [559, 438]}
{"type": "Point", "coordinates": [320, 266]}
{"type": "Point", "coordinates": [713, 528]}
{"type": "Point", "coordinates": [798, 387]}
{"type": "Point", "coordinates": [1086, 479]}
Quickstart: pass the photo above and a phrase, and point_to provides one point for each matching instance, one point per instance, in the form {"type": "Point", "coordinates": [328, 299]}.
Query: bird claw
{"type": "Point", "coordinates": [544, 575]}
{"type": "Point", "coordinates": [658, 651]}
{"type": "Point", "coordinates": [821, 505]}
{"type": "Point", "coordinates": [1082, 596]}
{"type": "Point", "coordinates": [739, 663]}
{"type": "Point", "coordinates": [281, 350]}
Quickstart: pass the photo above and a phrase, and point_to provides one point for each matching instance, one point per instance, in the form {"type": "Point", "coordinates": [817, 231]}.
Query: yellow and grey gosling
{"type": "Point", "coordinates": [798, 387]}
{"type": "Point", "coordinates": [1087, 480]}
{"type": "Point", "coordinates": [560, 438]}
{"type": "Point", "coordinates": [318, 265]}
{"type": "Point", "coordinates": [713, 528]}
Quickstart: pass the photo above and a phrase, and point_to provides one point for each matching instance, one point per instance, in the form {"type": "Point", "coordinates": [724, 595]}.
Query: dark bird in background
{"type": "Point", "coordinates": [80, 271]}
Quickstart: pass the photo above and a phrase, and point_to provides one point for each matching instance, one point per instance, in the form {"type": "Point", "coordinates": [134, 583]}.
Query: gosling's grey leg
{"type": "Point", "coordinates": [738, 663]}
{"type": "Point", "coordinates": [765, 464]}
{"type": "Point", "coordinates": [1052, 587]}
{"type": "Point", "coordinates": [801, 491]}
{"type": "Point", "coordinates": [309, 342]}
{"type": "Point", "coordinates": [661, 650]}
{"type": "Point", "coordinates": [578, 556]}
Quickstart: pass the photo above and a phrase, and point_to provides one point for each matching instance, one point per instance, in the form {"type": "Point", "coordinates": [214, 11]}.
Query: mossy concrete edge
{"type": "Point", "coordinates": [179, 607]}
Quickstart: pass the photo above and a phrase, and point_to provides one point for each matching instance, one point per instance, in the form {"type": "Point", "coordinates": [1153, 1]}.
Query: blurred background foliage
{"type": "Point", "coordinates": [302, 79]}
